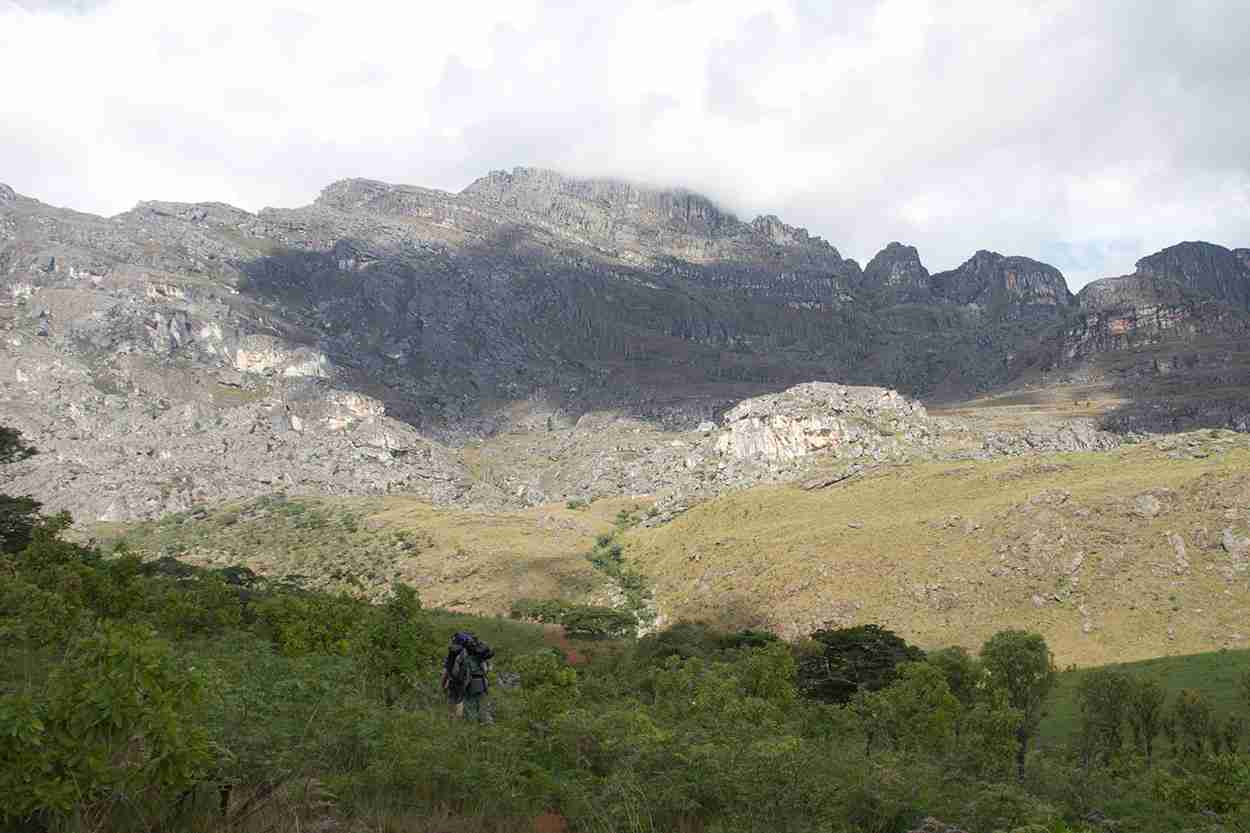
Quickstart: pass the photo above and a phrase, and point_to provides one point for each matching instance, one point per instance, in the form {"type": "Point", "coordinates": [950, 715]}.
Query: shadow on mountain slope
{"type": "Point", "coordinates": [1168, 386]}
{"type": "Point", "coordinates": [450, 334]}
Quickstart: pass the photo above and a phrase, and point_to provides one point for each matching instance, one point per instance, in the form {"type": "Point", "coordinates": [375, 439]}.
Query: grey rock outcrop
{"type": "Point", "coordinates": [1069, 435]}
{"type": "Point", "coordinates": [896, 275]}
{"type": "Point", "coordinates": [1238, 549]}
{"type": "Point", "coordinates": [1010, 288]}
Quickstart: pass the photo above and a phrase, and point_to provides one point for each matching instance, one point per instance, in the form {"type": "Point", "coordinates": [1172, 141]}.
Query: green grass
{"type": "Point", "coordinates": [1217, 674]}
{"type": "Point", "coordinates": [508, 637]}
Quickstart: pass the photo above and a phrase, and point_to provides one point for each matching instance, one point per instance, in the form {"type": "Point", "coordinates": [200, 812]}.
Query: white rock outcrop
{"type": "Point", "coordinates": [820, 416]}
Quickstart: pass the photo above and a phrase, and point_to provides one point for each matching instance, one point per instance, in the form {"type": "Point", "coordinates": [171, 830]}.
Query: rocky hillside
{"type": "Point", "coordinates": [1113, 555]}
{"type": "Point", "coordinates": [393, 338]}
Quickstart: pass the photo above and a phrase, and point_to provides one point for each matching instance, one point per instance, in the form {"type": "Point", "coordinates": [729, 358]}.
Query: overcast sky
{"type": "Point", "coordinates": [1084, 133]}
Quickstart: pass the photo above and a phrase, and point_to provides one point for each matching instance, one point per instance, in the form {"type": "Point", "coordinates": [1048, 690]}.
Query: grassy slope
{"type": "Point", "coordinates": [471, 561]}
{"type": "Point", "coordinates": [913, 548]}
{"type": "Point", "coordinates": [1216, 674]}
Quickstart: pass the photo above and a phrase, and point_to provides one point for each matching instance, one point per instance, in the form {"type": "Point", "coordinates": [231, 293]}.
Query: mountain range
{"type": "Point", "coordinates": [183, 351]}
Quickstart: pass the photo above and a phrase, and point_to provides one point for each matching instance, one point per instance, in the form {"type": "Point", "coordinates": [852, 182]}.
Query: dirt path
{"type": "Point", "coordinates": [555, 636]}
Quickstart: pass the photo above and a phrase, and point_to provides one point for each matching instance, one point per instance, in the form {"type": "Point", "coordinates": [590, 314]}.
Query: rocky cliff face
{"type": "Point", "coordinates": [896, 275]}
{"type": "Point", "coordinates": [1007, 288]}
{"type": "Point", "coordinates": [1179, 294]}
{"type": "Point", "coordinates": [1204, 268]}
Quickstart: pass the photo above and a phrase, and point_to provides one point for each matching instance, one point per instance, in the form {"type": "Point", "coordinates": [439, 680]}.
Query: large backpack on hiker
{"type": "Point", "coordinates": [469, 670]}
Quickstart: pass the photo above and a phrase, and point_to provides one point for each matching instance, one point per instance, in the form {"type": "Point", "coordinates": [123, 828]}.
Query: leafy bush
{"type": "Point", "coordinates": [309, 623]}
{"type": "Point", "coordinates": [584, 621]}
{"type": "Point", "coordinates": [393, 643]}
{"type": "Point", "coordinates": [590, 622]}
{"type": "Point", "coordinates": [115, 728]}
{"type": "Point", "coordinates": [547, 611]}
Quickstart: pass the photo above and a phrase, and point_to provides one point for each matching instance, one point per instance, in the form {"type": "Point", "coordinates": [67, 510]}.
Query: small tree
{"type": "Point", "coordinates": [962, 671]}
{"type": "Point", "coordinates": [395, 643]}
{"type": "Point", "coordinates": [1103, 695]}
{"type": "Point", "coordinates": [963, 675]}
{"type": "Point", "coordinates": [19, 516]}
{"type": "Point", "coordinates": [1021, 665]}
{"type": "Point", "coordinates": [1194, 722]}
{"type": "Point", "coordinates": [12, 449]}
{"type": "Point", "coordinates": [920, 710]}
{"type": "Point", "coordinates": [987, 741]}
{"type": "Point", "coordinates": [1146, 715]}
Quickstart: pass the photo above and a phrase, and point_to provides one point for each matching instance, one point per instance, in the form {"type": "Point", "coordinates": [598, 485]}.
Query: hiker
{"type": "Point", "coordinates": [464, 676]}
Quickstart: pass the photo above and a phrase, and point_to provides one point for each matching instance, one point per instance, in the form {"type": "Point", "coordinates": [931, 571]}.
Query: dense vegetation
{"type": "Point", "coordinates": [153, 696]}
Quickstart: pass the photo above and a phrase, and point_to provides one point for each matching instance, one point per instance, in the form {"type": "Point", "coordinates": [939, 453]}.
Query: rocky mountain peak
{"type": "Point", "coordinates": [1203, 267]}
{"type": "Point", "coordinates": [897, 271]}
{"type": "Point", "coordinates": [594, 203]}
{"type": "Point", "coordinates": [7, 194]}
{"type": "Point", "coordinates": [198, 212]}
{"type": "Point", "coordinates": [1185, 291]}
{"type": "Point", "coordinates": [1009, 287]}
{"type": "Point", "coordinates": [781, 234]}
{"type": "Point", "coordinates": [1179, 256]}
{"type": "Point", "coordinates": [353, 194]}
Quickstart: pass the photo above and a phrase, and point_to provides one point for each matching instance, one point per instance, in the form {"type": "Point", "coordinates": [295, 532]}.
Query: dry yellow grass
{"type": "Point", "coordinates": [481, 562]}
{"type": "Point", "coordinates": [477, 562]}
{"type": "Point", "coordinates": [949, 553]}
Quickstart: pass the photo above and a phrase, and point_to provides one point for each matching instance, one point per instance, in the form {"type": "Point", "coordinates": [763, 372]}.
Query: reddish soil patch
{"type": "Point", "coordinates": [550, 823]}
{"type": "Point", "coordinates": [555, 636]}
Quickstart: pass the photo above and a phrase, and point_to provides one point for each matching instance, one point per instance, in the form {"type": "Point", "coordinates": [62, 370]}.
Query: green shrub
{"type": "Point", "coordinates": [395, 642]}
{"type": "Point", "coordinates": [589, 622]}
{"type": "Point", "coordinates": [204, 606]}
{"type": "Point", "coordinates": [309, 623]}
{"type": "Point", "coordinates": [546, 611]}
{"type": "Point", "coordinates": [116, 728]}
{"type": "Point", "coordinates": [681, 639]}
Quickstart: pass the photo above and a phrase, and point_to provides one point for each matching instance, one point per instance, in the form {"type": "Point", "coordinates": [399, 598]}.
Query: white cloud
{"type": "Point", "coordinates": [1086, 133]}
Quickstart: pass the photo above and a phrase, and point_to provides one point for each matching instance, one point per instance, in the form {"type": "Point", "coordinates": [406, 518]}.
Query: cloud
{"type": "Point", "coordinates": [1087, 134]}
